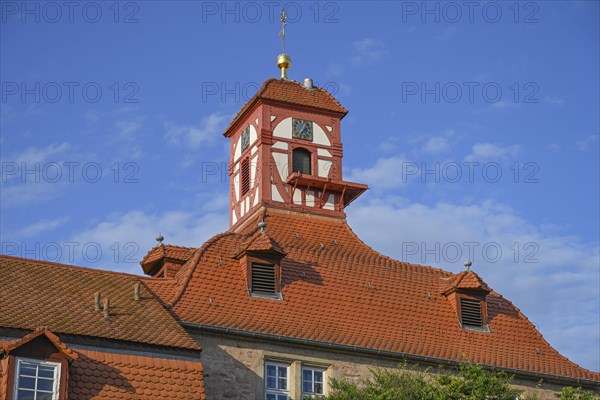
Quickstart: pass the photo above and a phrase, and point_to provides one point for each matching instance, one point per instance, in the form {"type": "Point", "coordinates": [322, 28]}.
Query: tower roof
{"type": "Point", "coordinates": [292, 93]}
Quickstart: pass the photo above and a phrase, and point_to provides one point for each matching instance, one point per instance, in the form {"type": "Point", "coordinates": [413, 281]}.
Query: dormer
{"type": "Point", "coordinates": [37, 366]}
{"type": "Point", "coordinates": [467, 293]}
{"type": "Point", "coordinates": [260, 262]}
{"type": "Point", "coordinates": [164, 260]}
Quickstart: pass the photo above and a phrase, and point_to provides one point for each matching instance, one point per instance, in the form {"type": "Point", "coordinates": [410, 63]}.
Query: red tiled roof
{"type": "Point", "coordinates": [465, 280]}
{"type": "Point", "coordinates": [166, 251]}
{"type": "Point", "coordinates": [261, 242]}
{"type": "Point", "coordinates": [60, 346]}
{"type": "Point", "coordinates": [337, 290]}
{"type": "Point", "coordinates": [294, 93]}
{"type": "Point", "coordinates": [103, 375]}
{"type": "Point", "coordinates": [61, 297]}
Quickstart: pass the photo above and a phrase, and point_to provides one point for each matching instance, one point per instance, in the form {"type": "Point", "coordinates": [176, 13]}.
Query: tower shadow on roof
{"type": "Point", "coordinates": [294, 271]}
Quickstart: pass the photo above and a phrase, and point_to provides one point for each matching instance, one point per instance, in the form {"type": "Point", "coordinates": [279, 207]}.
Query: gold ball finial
{"type": "Point", "coordinates": [284, 62]}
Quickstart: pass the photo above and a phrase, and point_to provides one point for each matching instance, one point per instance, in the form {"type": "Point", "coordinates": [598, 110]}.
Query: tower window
{"type": "Point", "coordinates": [470, 311]}
{"type": "Point", "coordinates": [245, 180]}
{"type": "Point", "coordinates": [263, 279]}
{"type": "Point", "coordinates": [301, 161]}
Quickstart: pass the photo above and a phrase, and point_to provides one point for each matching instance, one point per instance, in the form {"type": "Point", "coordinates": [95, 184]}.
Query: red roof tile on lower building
{"type": "Point", "coordinates": [61, 297]}
{"type": "Point", "coordinates": [338, 290]}
{"type": "Point", "coordinates": [105, 375]}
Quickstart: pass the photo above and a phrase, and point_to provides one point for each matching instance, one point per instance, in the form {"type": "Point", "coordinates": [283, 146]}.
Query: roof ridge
{"type": "Point", "coordinates": [70, 266]}
{"type": "Point", "coordinates": [393, 260]}
{"type": "Point", "coordinates": [195, 260]}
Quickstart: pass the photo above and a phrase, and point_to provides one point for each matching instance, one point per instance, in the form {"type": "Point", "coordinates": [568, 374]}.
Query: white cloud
{"type": "Point", "coordinates": [29, 192]}
{"type": "Point", "coordinates": [564, 277]}
{"type": "Point", "coordinates": [124, 239]}
{"type": "Point", "coordinates": [128, 130]}
{"type": "Point", "coordinates": [505, 105]}
{"type": "Point", "coordinates": [386, 173]}
{"type": "Point", "coordinates": [194, 136]}
{"type": "Point", "coordinates": [33, 155]}
{"type": "Point", "coordinates": [367, 51]}
{"type": "Point", "coordinates": [43, 226]}
{"type": "Point", "coordinates": [490, 151]}
{"type": "Point", "coordinates": [553, 100]}
{"type": "Point", "coordinates": [587, 142]}
{"type": "Point", "coordinates": [439, 143]}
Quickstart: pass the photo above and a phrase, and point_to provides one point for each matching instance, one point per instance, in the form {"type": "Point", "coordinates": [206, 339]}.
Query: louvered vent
{"type": "Point", "coordinates": [245, 176]}
{"type": "Point", "coordinates": [471, 313]}
{"type": "Point", "coordinates": [263, 279]}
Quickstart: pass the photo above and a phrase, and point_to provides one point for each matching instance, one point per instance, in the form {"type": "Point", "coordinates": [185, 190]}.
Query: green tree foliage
{"type": "Point", "coordinates": [472, 382]}
{"type": "Point", "coordinates": [576, 394]}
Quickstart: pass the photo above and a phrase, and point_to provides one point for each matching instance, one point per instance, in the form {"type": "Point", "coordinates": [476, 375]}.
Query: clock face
{"type": "Point", "coordinates": [302, 129]}
{"type": "Point", "coordinates": [246, 138]}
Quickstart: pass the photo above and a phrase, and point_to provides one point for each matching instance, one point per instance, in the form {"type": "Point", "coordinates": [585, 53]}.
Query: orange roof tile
{"type": "Point", "coordinates": [104, 375]}
{"type": "Point", "coordinates": [165, 251]}
{"type": "Point", "coordinates": [465, 280]}
{"type": "Point", "coordinates": [61, 297]}
{"type": "Point", "coordinates": [291, 92]}
{"type": "Point", "coordinates": [261, 242]}
{"type": "Point", "coordinates": [118, 376]}
{"type": "Point", "coordinates": [337, 290]}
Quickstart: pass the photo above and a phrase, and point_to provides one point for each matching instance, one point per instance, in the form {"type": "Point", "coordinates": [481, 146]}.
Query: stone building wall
{"type": "Point", "coordinates": [234, 366]}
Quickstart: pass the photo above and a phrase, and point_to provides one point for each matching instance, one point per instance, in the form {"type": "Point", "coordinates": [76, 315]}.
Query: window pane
{"type": "Point", "coordinates": [24, 395]}
{"type": "Point", "coordinates": [282, 383]}
{"type": "Point", "coordinates": [45, 384]}
{"type": "Point", "coordinates": [271, 383]}
{"type": "Point", "coordinates": [45, 396]}
{"type": "Point", "coordinates": [318, 388]}
{"type": "Point", "coordinates": [271, 396]}
{"type": "Point", "coordinates": [282, 397]}
{"type": "Point", "coordinates": [282, 372]}
{"type": "Point", "coordinates": [27, 383]}
{"type": "Point", "coordinates": [27, 370]}
{"type": "Point", "coordinates": [271, 370]}
{"type": "Point", "coordinates": [46, 372]}
{"type": "Point", "coordinates": [306, 387]}
{"type": "Point", "coordinates": [318, 376]}
{"type": "Point", "coordinates": [307, 374]}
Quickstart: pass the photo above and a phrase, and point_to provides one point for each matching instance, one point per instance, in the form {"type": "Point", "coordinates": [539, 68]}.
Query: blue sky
{"type": "Point", "coordinates": [476, 128]}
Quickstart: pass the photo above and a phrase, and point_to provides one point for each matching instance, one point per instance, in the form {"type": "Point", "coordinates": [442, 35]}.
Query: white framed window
{"type": "Point", "coordinates": [313, 382]}
{"type": "Point", "coordinates": [36, 379]}
{"type": "Point", "coordinates": [277, 385]}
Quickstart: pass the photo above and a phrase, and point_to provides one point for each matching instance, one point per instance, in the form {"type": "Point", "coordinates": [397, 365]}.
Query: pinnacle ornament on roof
{"type": "Point", "coordinates": [284, 61]}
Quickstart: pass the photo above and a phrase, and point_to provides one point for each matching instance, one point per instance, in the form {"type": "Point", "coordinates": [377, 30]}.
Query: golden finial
{"type": "Point", "coordinates": [284, 61]}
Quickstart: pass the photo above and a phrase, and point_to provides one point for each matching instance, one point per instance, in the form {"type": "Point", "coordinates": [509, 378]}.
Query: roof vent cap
{"type": "Point", "coordinates": [308, 83]}
{"type": "Point", "coordinates": [467, 265]}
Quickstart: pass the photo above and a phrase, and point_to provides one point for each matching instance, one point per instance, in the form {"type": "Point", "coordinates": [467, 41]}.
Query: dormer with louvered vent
{"type": "Point", "coordinates": [260, 261]}
{"type": "Point", "coordinates": [467, 294]}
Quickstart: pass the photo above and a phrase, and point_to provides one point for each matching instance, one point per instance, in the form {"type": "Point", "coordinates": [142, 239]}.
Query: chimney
{"type": "Point", "coordinates": [136, 292]}
{"type": "Point", "coordinates": [97, 301]}
{"type": "Point", "coordinates": [106, 307]}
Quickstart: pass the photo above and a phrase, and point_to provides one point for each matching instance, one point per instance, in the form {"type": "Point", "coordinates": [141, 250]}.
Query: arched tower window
{"type": "Point", "coordinates": [301, 161]}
